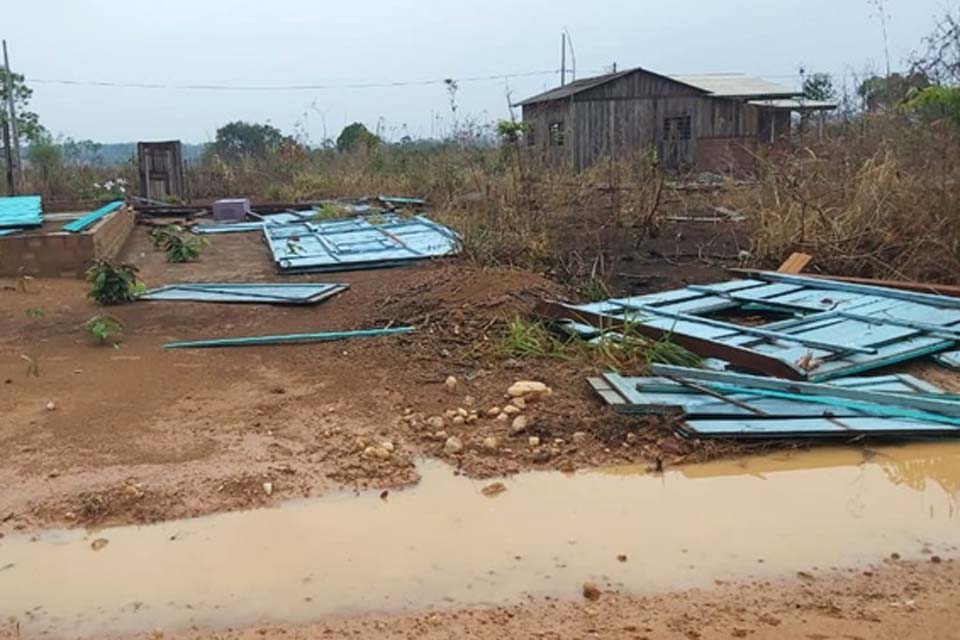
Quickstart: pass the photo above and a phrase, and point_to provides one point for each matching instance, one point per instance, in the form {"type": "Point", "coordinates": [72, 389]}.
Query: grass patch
{"type": "Point", "coordinates": [178, 246]}
{"type": "Point", "coordinates": [105, 328]}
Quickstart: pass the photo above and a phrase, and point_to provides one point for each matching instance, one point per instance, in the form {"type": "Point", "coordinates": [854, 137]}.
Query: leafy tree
{"type": "Point", "coordinates": [28, 122]}
{"type": "Point", "coordinates": [45, 155]}
{"type": "Point", "coordinates": [885, 93]}
{"type": "Point", "coordinates": [354, 135]}
{"type": "Point", "coordinates": [819, 86]}
{"type": "Point", "coordinates": [936, 103]}
{"type": "Point", "coordinates": [238, 139]}
{"type": "Point", "coordinates": [941, 59]}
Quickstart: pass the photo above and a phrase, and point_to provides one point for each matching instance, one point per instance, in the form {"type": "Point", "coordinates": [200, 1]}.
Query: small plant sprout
{"type": "Point", "coordinates": [105, 328]}
{"type": "Point", "coordinates": [35, 313]}
{"type": "Point", "coordinates": [113, 283]}
{"type": "Point", "coordinates": [171, 239]}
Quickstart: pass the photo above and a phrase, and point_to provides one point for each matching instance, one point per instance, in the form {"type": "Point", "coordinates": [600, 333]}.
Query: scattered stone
{"type": "Point", "coordinates": [519, 403]}
{"type": "Point", "coordinates": [384, 494]}
{"type": "Point", "coordinates": [376, 452]}
{"type": "Point", "coordinates": [622, 557]}
{"type": "Point", "coordinates": [463, 413]}
{"type": "Point", "coordinates": [54, 474]}
{"type": "Point", "coordinates": [591, 591]}
{"type": "Point", "coordinates": [388, 446]}
{"type": "Point", "coordinates": [453, 445]}
{"type": "Point", "coordinates": [472, 418]}
{"type": "Point", "coordinates": [493, 412]}
{"type": "Point", "coordinates": [936, 559]}
{"type": "Point", "coordinates": [450, 414]}
{"type": "Point", "coordinates": [469, 401]}
{"type": "Point", "coordinates": [440, 435]}
{"type": "Point", "coordinates": [490, 443]}
{"type": "Point", "coordinates": [534, 441]}
{"type": "Point", "coordinates": [503, 417]}
{"type": "Point", "coordinates": [99, 543]}
{"type": "Point", "coordinates": [51, 406]}
{"type": "Point", "coordinates": [805, 575]}
{"type": "Point", "coordinates": [520, 424]}
{"type": "Point", "coordinates": [580, 437]}
{"type": "Point", "coordinates": [268, 488]}
{"type": "Point", "coordinates": [559, 442]}
{"type": "Point", "coordinates": [493, 490]}
{"type": "Point", "coordinates": [511, 410]}
{"type": "Point", "coordinates": [450, 383]}
{"type": "Point", "coordinates": [894, 556]}
{"type": "Point", "coordinates": [528, 390]}
{"type": "Point", "coordinates": [459, 420]}
{"type": "Point", "coordinates": [435, 422]}
{"type": "Point", "coordinates": [631, 438]}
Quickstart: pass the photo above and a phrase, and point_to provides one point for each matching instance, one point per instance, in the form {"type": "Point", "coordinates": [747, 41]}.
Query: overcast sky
{"type": "Point", "coordinates": [334, 43]}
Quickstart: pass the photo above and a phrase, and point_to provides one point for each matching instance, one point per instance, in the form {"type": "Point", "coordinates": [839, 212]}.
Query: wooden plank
{"type": "Point", "coordinates": [796, 263]}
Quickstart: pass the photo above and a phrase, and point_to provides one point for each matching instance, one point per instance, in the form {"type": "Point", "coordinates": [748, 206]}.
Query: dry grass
{"type": "Point", "coordinates": [878, 200]}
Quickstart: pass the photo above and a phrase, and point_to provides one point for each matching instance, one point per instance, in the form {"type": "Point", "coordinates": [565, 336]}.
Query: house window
{"type": "Point", "coordinates": [677, 128]}
{"type": "Point", "coordinates": [556, 133]}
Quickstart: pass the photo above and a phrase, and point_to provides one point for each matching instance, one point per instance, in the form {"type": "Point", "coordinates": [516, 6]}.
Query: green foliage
{"type": "Point", "coordinates": [510, 131]}
{"type": "Point", "coordinates": [105, 328]}
{"type": "Point", "coordinates": [819, 86]}
{"type": "Point", "coordinates": [356, 135]}
{"type": "Point", "coordinates": [35, 313]}
{"type": "Point", "coordinates": [45, 155]}
{"type": "Point", "coordinates": [28, 122]}
{"type": "Point", "coordinates": [935, 103]}
{"type": "Point", "coordinates": [242, 139]}
{"type": "Point", "coordinates": [113, 283]}
{"type": "Point", "coordinates": [524, 338]}
{"type": "Point", "coordinates": [177, 244]}
{"type": "Point", "coordinates": [885, 93]}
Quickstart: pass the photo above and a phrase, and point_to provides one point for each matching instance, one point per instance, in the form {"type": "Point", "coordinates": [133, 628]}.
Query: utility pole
{"type": "Point", "coordinates": [8, 154]}
{"type": "Point", "coordinates": [563, 58]}
{"type": "Point", "coordinates": [12, 113]}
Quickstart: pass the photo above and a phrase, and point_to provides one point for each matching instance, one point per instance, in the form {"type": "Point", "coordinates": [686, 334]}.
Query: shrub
{"type": "Point", "coordinates": [113, 283]}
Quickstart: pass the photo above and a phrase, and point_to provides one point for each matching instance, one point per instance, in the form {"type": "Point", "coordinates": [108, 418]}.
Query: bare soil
{"type": "Point", "coordinates": [896, 601]}
{"type": "Point", "coordinates": [140, 434]}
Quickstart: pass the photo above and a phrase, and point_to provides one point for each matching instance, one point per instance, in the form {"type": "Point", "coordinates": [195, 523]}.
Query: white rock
{"type": "Point", "coordinates": [463, 413]}
{"type": "Point", "coordinates": [469, 401]}
{"type": "Point", "coordinates": [268, 488]}
{"type": "Point", "coordinates": [580, 437]}
{"type": "Point", "coordinates": [520, 424]}
{"type": "Point", "coordinates": [388, 446]}
{"type": "Point", "coordinates": [519, 403]}
{"type": "Point", "coordinates": [534, 441]}
{"type": "Point", "coordinates": [453, 445]}
{"type": "Point", "coordinates": [490, 443]}
{"type": "Point", "coordinates": [493, 412]}
{"type": "Point", "coordinates": [511, 410]}
{"type": "Point", "coordinates": [51, 406]}
{"type": "Point", "coordinates": [435, 422]}
{"type": "Point", "coordinates": [376, 452]}
{"type": "Point", "coordinates": [459, 420]}
{"type": "Point", "coordinates": [528, 389]}
{"type": "Point", "coordinates": [503, 417]}
{"type": "Point", "coordinates": [450, 383]}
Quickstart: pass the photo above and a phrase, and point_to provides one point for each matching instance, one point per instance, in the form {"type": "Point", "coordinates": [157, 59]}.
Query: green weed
{"type": "Point", "coordinates": [105, 328]}
{"type": "Point", "coordinates": [113, 283]}
{"type": "Point", "coordinates": [178, 247]}
{"type": "Point", "coordinates": [35, 313]}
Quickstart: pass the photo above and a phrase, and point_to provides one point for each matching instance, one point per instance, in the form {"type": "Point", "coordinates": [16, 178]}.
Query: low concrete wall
{"type": "Point", "coordinates": [63, 254]}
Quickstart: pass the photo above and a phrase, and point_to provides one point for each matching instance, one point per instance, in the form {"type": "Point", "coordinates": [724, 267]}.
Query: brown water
{"type": "Point", "coordinates": [445, 544]}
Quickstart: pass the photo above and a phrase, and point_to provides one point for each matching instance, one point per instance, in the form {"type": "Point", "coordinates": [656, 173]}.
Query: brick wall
{"type": "Point", "coordinates": [63, 254]}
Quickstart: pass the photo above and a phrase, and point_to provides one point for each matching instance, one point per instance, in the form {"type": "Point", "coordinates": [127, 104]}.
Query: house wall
{"type": "Point", "coordinates": [537, 118]}
{"type": "Point", "coordinates": [628, 116]}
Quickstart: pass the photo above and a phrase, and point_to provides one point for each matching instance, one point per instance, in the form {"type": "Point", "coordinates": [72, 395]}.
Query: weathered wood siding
{"type": "Point", "coordinates": [628, 115]}
{"type": "Point", "coordinates": [538, 118]}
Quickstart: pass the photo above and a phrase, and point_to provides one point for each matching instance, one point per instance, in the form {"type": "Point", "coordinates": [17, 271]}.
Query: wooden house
{"type": "Point", "coordinates": [705, 121]}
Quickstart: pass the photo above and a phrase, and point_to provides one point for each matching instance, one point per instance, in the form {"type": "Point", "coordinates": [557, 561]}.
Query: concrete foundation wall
{"type": "Point", "coordinates": [64, 254]}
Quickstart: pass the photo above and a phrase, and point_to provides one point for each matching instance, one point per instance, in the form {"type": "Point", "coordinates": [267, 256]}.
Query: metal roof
{"type": "Point", "coordinates": [795, 104]}
{"type": "Point", "coordinates": [575, 87]}
{"type": "Point", "coordinates": [262, 293]}
{"type": "Point", "coordinates": [20, 212]}
{"type": "Point", "coordinates": [736, 85]}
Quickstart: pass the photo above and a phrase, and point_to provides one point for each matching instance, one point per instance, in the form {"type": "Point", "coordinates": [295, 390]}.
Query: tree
{"type": "Point", "coordinates": [45, 155]}
{"type": "Point", "coordinates": [354, 135]}
{"type": "Point", "coordinates": [819, 86]}
{"type": "Point", "coordinates": [935, 103]}
{"type": "Point", "coordinates": [28, 122]}
{"type": "Point", "coordinates": [941, 60]}
{"type": "Point", "coordinates": [886, 93]}
{"type": "Point", "coordinates": [239, 139]}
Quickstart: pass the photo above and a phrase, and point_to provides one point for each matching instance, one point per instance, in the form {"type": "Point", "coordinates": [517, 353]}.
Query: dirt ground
{"type": "Point", "coordinates": [893, 601]}
{"type": "Point", "coordinates": [140, 434]}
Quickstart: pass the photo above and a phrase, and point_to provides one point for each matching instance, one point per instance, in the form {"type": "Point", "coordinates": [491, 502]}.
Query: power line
{"type": "Point", "coordinates": [289, 87]}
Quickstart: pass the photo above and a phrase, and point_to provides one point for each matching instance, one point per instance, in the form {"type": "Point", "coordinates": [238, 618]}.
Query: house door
{"type": "Point", "coordinates": [161, 170]}
{"type": "Point", "coordinates": [676, 146]}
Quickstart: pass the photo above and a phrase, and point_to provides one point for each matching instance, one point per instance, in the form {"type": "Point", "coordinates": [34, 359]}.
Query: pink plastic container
{"type": "Point", "coordinates": [231, 209]}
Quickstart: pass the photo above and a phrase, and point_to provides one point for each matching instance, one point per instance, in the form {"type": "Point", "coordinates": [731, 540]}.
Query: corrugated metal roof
{"type": "Point", "coordinates": [17, 212]}
{"type": "Point", "coordinates": [795, 104]}
{"type": "Point", "coordinates": [257, 293]}
{"type": "Point", "coordinates": [575, 87]}
{"type": "Point", "coordinates": [736, 85]}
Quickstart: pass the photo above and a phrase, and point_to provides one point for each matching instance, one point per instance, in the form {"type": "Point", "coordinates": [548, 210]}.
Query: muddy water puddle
{"type": "Point", "coordinates": [444, 543]}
